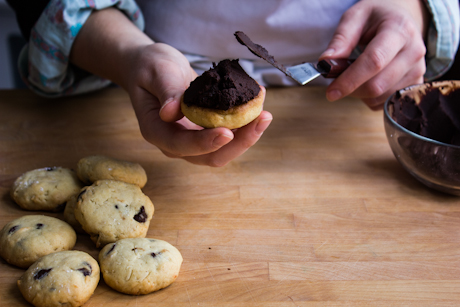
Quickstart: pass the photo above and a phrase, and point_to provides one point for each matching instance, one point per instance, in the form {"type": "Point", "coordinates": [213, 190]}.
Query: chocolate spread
{"type": "Point", "coordinates": [259, 51]}
{"type": "Point", "coordinates": [222, 87]}
{"type": "Point", "coordinates": [433, 112]}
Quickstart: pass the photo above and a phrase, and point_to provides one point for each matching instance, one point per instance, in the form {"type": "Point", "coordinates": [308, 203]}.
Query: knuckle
{"type": "Point", "coordinates": [376, 60]}
{"type": "Point", "coordinates": [376, 88]}
{"type": "Point", "coordinates": [420, 51]}
{"type": "Point", "coordinates": [353, 13]}
{"type": "Point", "coordinates": [406, 27]}
{"type": "Point", "coordinates": [340, 38]}
{"type": "Point", "coordinates": [349, 85]}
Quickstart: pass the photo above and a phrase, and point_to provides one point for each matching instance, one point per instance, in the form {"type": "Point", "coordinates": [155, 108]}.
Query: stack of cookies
{"type": "Point", "coordinates": [102, 198]}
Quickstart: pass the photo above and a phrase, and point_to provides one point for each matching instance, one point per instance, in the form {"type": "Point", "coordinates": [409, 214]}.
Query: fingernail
{"type": "Point", "coordinates": [168, 101]}
{"type": "Point", "coordinates": [221, 140]}
{"type": "Point", "coordinates": [328, 53]}
{"type": "Point", "coordinates": [333, 95]}
{"type": "Point", "coordinates": [262, 125]}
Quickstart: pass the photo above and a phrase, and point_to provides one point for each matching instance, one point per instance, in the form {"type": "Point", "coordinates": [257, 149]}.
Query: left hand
{"type": "Point", "coordinates": [394, 56]}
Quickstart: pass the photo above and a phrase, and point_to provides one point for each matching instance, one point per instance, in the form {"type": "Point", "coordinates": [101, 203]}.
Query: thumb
{"type": "Point", "coordinates": [170, 109]}
{"type": "Point", "coordinates": [347, 34]}
{"type": "Point", "coordinates": [171, 96]}
{"type": "Point", "coordinates": [169, 93]}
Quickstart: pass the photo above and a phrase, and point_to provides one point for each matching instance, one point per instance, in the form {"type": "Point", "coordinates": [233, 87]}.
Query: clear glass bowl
{"type": "Point", "coordinates": [435, 164]}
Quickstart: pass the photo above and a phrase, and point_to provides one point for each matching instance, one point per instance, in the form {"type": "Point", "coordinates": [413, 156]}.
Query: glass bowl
{"type": "Point", "coordinates": [434, 163]}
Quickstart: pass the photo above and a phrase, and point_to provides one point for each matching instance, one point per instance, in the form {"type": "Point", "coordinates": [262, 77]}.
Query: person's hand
{"type": "Point", "coordinates": [393, 33]}
{"type": "Point", "coordinates": [157, 78]}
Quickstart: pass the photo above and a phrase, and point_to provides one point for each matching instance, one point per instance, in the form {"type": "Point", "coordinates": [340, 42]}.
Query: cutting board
{"type": "Point", "coordinates": [317, 213]}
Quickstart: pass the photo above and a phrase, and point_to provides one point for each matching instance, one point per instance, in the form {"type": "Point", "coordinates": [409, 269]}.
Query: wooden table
{"type": "Point", "coordinates": [317, 213]}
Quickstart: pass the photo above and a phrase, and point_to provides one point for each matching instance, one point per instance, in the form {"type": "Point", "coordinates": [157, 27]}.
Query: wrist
{"type": "Point", "coordinates": [425, 18]}
{"type": "Point", "coordinates": [420, 14]}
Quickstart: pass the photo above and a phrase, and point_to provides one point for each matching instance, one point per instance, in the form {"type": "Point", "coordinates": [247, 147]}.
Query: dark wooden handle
{"type": "Point", "coordinates": [332, 68]}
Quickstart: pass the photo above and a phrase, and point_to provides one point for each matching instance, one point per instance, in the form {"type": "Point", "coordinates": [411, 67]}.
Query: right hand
{"type": "Point", "coordinates": [393, 32]}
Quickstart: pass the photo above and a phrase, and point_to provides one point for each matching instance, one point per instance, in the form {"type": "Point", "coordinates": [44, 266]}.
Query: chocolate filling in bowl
{"type": "Point", "coordinates": [428, 144]}
{"type": "Point", "coordinates": [433, 111]}
{"type": "Point", "coordinates": [223, 96]}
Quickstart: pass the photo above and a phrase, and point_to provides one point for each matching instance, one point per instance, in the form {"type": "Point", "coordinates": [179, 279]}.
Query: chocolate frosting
{"type": "Point", "coordinates": [433, 112]}
{"type": "Point", "coordinates": [259, 51]}
{"type": "Point", "coordinates": [222, 87]}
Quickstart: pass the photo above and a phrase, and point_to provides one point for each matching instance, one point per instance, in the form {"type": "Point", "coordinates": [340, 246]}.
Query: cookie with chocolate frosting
{"type": "Point", "coordinates": [223, 96]}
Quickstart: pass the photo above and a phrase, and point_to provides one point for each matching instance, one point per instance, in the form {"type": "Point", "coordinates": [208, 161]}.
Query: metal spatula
{"type": "Point", "coordinates": [302, 73]}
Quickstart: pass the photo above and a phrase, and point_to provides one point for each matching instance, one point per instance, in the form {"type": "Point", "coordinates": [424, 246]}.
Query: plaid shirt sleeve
{"type": "Point", "coordinates": [443, 37]}
{"type": "Point", "coordinates": [44, 61]}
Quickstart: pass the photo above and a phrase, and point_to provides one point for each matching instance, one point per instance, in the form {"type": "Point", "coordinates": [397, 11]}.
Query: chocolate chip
{"type": "Point", "coordinates": [153, 255]}
{"type": "Point", "coordinates": [141, 217]}
{"type": "Point", "coordinates": [13, 229]}
{"type": "Point", "coordinates": [116, 206]}
{"type": "Point", "coordinates": [85, 271]}
{"type": "Point", "coordinates": [111, 249]}
{"type": "Point", "coordinates": [39, 226]}
{"type": "Point", "coordinates": [42, 273]}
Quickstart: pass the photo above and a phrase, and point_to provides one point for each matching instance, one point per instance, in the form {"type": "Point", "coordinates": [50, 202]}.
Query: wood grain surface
{"type": "Point", "coordinates": [317, 213]}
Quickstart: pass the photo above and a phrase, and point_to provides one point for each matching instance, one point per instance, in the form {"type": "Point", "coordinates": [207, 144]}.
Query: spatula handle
{"type": "Point", "coordinates": [334, 67]}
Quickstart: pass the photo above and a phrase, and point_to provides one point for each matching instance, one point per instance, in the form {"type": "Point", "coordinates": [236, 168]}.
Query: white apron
{"type": "Point", "coordinates": [293, 31]}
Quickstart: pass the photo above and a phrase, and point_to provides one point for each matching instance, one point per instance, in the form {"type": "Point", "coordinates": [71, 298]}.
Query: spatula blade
{"type": "Point", "coordinates": [303, 73]}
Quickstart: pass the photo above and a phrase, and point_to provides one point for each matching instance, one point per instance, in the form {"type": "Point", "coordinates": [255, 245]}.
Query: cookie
{"type": "Point", "coordinates": [46, 189]}
{"type": "Point", "coordinates": [93, 168]}
{"type": "Point", "coordinates": [30, 237]}
{"type": "Point", "coordinates": [140, 265]}
{"type": "Point", "coordinates": [223, 96]}
{"type": "Point", "coordinates": [110, 210]}
{"type": "Point", "coordinates": [69, 214]}
{"type": "Point", "coordinates": [66, 278]}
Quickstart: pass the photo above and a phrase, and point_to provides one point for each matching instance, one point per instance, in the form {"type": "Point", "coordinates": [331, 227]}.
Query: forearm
{"type": "Point", "coordinates": [106, 45]}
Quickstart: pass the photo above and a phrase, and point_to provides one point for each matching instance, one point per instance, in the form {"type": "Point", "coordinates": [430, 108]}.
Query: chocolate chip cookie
{"type": "Point", "coordinates": [139, 265]}
{"type": "Point", "coordinates": [93, 168]}
{"type": "Point", "coordinates": [24, 240]}
{"type": "Point", "coordinates": [69, 214]}
{"type": "Point", "coordinates": [66, 278]}
{"type": "Point", "coordinates": [110, 210]}
{"type": "Point", "coordinates": [45, 189]}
